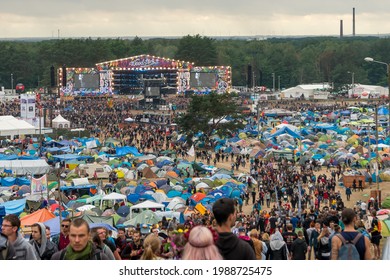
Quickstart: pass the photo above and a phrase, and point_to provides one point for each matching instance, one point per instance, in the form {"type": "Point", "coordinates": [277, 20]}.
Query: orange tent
{"type": "Point", "coordinates": [172, 174]}
{"type": "Point", "coordinates": [41, 216]}
{"type": "Point", "coordinates": [198, 196]}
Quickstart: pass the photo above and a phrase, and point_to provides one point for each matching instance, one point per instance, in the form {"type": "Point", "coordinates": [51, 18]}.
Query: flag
{"type": "Point", "coordinates": [110, 103]}
{"type": "Point", "coordinates": [91, 144]}
{"type": "Point", "coordinates": [191, 151]}
{"type": "Point", "coordinates": [38, 185]}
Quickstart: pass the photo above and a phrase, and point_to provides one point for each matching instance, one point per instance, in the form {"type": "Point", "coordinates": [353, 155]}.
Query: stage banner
{"type": "Point", "coordinates": [27, 106]}
{"type": "Point", "coordinates": [39, 185]}
{"type": "Point", "coordinates": [105, 82]}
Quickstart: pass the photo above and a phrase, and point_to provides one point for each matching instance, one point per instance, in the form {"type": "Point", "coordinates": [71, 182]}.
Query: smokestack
{"type": "Point", "coordinates": [341, 28]}
{"type": "Point", "coordinates": [353, 21]}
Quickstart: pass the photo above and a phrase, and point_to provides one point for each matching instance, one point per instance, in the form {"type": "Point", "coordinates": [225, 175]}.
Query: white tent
{"type": "Point", "coordinates": [60, 122]}
{"type": "Point", "coordinates": [113, 196]}
{"type": "Point", "coordinates": [23, 167]}
{"type": "Point", "coordinates": [146, 205]}
{"type": "Point", "coordinates": [11, 126]}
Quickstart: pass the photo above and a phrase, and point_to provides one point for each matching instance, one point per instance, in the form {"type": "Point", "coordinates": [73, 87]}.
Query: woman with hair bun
{"type": "Point", "coordinates": [152, 246]}
{"type": "Point", "coordinates": [200, 245]}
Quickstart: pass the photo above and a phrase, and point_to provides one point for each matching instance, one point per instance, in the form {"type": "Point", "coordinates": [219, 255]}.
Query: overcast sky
{"type": "Point", "coordinates": [118, 18]}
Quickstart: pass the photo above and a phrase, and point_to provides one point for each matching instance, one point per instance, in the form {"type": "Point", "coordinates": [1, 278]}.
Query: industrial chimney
{"type": "Point", "coordinates": [353, 21]}
{"type": "Point", "coordinates": [341, 28]}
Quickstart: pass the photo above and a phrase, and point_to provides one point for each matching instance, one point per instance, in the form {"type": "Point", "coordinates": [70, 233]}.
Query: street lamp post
{"type": "Point", "coordinates": [12, 83]}
{"type": "Point", "coordinates": [273, 82]}
{"type": "Point", "coordinates": [353, 82]}
{"type": "Point", "coordinates": [370, 59]}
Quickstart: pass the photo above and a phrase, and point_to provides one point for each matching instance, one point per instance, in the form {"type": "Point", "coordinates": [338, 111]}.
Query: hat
{"type": "Point", "coordinates": [241, 229]}
{"type": "Point", "coordinates": [372, 199]}
{"type": "Point", "coordinates": [145, 229]}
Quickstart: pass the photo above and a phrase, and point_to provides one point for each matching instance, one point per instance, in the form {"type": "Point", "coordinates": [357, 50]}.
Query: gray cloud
{"type": "Point", "coordinates": [82, 18]}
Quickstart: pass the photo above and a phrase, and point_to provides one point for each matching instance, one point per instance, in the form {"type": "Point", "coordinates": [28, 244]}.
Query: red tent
{"type": "Point", "coordinates": [198, 196]}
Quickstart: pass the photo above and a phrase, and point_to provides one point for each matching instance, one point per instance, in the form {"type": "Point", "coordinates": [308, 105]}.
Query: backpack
{"type": "Point", "coordinates": [348, 249]}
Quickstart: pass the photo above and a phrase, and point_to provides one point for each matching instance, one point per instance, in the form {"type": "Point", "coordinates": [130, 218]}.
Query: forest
{"type": "Point", "coordinates": [292, 60]}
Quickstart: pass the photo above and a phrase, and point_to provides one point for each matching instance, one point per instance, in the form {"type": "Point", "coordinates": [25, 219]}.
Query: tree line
{"type": "Point", "coordinates": [292, 60]}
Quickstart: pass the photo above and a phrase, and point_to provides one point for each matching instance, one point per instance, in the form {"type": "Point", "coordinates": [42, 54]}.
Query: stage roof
{"type": "Point", "coordinates": [143, 61]}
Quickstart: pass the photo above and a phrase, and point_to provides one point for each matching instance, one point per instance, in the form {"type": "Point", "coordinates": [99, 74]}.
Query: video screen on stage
{"type": "Point", "coordinates": [152, 91]}
{"type": "Point", "coordinates": [200, 79]}
{"type": "Point", "coordinates": [86, 80]}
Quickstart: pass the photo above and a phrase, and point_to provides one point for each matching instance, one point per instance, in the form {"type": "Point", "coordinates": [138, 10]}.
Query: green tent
{"type": "Point", "coordinates": [386, 203]}
{"type": "Point", "coordinates": [196, 166]}
{"type": "Point", "coordinates": [145, 217]}
{"type": "Point", "coordinates": [98, 219]}
{"type": "Point", "coordinates": [385, 228]}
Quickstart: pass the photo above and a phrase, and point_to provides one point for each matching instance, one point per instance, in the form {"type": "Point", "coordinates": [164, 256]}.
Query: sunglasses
{"type": "Point", "coordinates": [65, 226]}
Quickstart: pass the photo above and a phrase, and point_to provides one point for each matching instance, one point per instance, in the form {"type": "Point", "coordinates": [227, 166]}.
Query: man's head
{"type": "Point", "coordinates": [48, 232]}
{"type": "Point", "coordinates": [65, 226]}
{"type": "Point", "coordinates": [136, 236]}
{"type": "Point", "coordinates": [36, 232]}
{"type": "Point", "coordinates": [79, 234]}
{"type": "Point", "coordinates": [348, 216]}
{"type": "Point", "coordinates": [121, 233]}
{"type": "Point", "coordinates": [289, 227]}
{"type": "Point", "coordinates": [242, 231]}
{"type": "Point", "coordinates": [224, 211]}
{"type": "Point", "coordinates": [10, 225]}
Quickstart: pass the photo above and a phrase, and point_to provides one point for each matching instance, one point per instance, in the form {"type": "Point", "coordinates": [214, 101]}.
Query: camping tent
{"type": "Point", "coordinates": [60, 122]}
{"type": "Point", "coordinates": [146, 205]}
{"type": "Point", "coordinates": [23, 167]}
{"type": "Point", "coordinates": [145, 217]}
{"type": "Point", "coordinates": [113, 196]}
{"type": "Point", "coordinates": [40, 216]}
{"type": "Point", "coordinates": [11, 126]}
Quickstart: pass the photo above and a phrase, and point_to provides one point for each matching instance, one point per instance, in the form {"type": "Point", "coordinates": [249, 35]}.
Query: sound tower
{"type": "Point", "coordinates": [64, 75]}
{"type": "Point", "coordinates": [52, 77]}
{"type": "Point", "coordinates": [249, 76]}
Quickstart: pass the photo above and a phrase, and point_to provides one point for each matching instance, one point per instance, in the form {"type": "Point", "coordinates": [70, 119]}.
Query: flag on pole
{"type": "Point", "coordinates": [191, 151]}
{"type": "Point", "coordinates": [39, 185]}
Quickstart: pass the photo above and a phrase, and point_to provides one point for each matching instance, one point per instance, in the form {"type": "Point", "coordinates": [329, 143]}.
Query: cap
{"type": "Point", "coordinates": [145, 229]}
{"type": "Point", "coordinates": [241, 229]}
{"type": "Point", "coordinates": [372, 198]}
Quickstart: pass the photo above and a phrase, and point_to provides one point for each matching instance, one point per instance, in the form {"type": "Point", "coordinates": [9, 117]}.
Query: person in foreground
{"type": "Point", "coordinates": [80, 245]}
{"type": "Point", "coordinates": [43, 247]}
{"type": "Point", "coordinates": [152, 245]}
{"type": "Point", "coordinates": [200, 245]}
{"type": "Point", "coordinates": [362, 243]}
{"type": "Point", "coordinates": [229, 245]}
{"type": "Point", "coordinates": [23, 249]}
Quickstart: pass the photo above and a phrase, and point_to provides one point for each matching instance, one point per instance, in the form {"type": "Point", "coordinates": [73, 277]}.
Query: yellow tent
{"type": "Point", "coordinates": [120, 174]}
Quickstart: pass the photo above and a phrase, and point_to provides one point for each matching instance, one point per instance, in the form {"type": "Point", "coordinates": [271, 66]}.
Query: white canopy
{"type": "Point", "coordinates": [23, 167]}
{"type": "Point", "coordinates": [113, 196]}
{"type": "Point", "coordinates": [146, 205]}
{"type": "Point", "coordinates": [60, 122]}
{"type": "Point", "coordinates": [11, 126]}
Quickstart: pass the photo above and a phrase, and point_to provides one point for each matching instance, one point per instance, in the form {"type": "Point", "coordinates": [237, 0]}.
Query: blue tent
{"type": "Point", "coordinates": [133, 198]}
{"type": "Point", "coordinates": [14, 206]}
{"type": "Point", "coordinates": [173, 193]}
{"type": "Point", "coordinates": [8, 181]}
{"type": "Point", "coordinates": [383, 111]}
{"type": "Point", "coordinates": [285, 130]}
{"type": "Point", "coordinates": [226, 190]}
{"type": "Point", "coordinates": [23, 181]}
{"type": "Point", "coordinates": [122, 151]}
{"type": "Point", "coordinates": [54, 225]}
